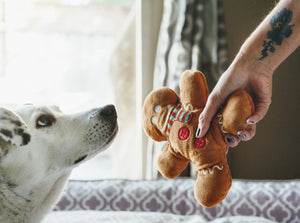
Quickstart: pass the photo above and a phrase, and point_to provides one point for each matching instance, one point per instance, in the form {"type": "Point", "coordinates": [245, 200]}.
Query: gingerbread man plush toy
{"type": "Point", "coordinates": [175, 119]}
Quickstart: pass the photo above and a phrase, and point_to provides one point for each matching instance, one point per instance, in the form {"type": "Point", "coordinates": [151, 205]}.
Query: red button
{"type": "Point", "coordinates": [183, 133]}
{"type": "Point", "coordinates": [200, 143]}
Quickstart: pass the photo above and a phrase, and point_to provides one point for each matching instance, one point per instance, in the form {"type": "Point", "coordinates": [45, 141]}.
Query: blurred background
{"type": "Point", "coordinates": [59, 52]}
{"type": "Point", "coordinates": [80, 54]}
{"type": "Point", "coordinates": [59, 44]}
{"type": "Point", "coordinates": [274, 153]}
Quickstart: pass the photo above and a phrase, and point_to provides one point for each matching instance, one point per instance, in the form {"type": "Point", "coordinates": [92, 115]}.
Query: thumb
{"type": "Point", "coordinates": [214, 101]}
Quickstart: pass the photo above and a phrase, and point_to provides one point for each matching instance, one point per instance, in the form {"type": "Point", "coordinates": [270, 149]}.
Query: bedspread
{"type": "Point", "coordinates": [141, 217]}
{"type": "Point", "coordinates": [275, 200]}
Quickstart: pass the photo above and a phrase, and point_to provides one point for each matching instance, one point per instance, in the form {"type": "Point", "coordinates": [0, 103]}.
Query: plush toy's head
{"type": "Point", "coordinates": [175, 119]}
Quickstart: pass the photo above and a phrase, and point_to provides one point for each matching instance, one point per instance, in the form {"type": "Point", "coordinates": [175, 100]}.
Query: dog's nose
{"type": "Point", "coordinates": [108, 111]}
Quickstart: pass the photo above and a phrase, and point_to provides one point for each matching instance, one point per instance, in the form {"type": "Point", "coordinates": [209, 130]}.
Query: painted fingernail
{"type": "Point", "coordinates": [198, 132]}
{"type": "Point", "coordinates": [250, 122]}
{"type": "Point", "coordinates": [230, 139]}
{"type": "Point", "coordinates": [243, 136]}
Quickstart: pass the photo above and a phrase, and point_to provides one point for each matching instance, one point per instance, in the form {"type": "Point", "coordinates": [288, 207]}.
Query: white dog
{"type": "Point", "coordinates": [39, 147]}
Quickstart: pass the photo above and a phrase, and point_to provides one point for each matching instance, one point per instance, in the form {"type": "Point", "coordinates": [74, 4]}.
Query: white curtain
{"type": "Point", "coordinates": [125, 155]}
{"type": "Point", "coordinates": [192, 36]}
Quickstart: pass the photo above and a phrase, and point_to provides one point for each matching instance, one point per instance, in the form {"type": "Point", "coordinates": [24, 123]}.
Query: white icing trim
{"type": "Point", "coordinates": [173, 147]}
{"type": "Point", "coordinates": [220, 116]}
{"type": "Point", "coordinates": [211, 169]}
{"type": "Point", "coordinates": [189, 108]}
{"type": "Point", "coordinates": [167, 119]}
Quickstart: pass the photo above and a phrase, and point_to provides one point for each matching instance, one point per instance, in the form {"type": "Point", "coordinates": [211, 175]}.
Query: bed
{"type": "Point", "coordinates": [173, 201]}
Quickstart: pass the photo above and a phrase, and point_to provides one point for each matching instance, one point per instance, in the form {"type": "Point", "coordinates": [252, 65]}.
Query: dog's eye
{"type": "Point", "coordinates": [44, 121]}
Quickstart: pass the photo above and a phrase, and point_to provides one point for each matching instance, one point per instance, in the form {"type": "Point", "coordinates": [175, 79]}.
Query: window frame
{"type": "Point", "coordinates": [149, 15]}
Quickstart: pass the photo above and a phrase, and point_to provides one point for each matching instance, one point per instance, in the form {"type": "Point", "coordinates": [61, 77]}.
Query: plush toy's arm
{"type": "Point", "coordinates": [238, 108]}
{"type": "Point", "coordinates": [193, 89]}
{"type": "Point", "coordinates": [171, 164]}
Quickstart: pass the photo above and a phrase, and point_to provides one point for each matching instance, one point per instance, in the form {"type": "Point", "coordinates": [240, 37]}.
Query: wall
{"type": "Point", "coordinates": [274, 153]}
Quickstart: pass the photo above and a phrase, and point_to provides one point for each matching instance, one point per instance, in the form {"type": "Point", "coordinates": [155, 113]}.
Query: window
{"type": "Point", "coordinates": [58, 52]}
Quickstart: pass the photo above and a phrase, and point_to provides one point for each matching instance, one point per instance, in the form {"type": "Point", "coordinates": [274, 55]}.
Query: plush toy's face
{"type": "Point", "coordinates": [168, 117]}
{"type": "Point", "coordinates": [156, 112]}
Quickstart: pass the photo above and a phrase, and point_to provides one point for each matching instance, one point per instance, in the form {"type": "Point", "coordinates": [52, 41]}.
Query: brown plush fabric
{"type": "Point", "coordinates": [169, 117]}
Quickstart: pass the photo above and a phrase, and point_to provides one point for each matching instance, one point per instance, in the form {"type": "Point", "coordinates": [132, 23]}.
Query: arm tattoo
{"type": "Point", "coordinates": [280, 30]}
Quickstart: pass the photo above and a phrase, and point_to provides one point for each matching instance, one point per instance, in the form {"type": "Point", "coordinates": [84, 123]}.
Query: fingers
{"type": "Point", "coordinates": [246, 135]}
{"type": "Point", "coordinates": [232, 140]}
{"type": "Point", "coordinates": [217, 97]}
{"type": "Point", "coordinates": [203, 126]}
{"type": "Point", "coordinates": [243, 135]}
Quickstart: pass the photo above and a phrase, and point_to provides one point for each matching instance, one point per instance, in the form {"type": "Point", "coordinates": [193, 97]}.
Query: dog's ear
{"type": "Point", "coordinates": [12, 128]}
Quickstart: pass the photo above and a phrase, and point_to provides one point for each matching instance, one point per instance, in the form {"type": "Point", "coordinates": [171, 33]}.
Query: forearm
{"type": "Point", "coordinates": [252, 69]}
{"type": "Point", "coordinates": [273, 40]}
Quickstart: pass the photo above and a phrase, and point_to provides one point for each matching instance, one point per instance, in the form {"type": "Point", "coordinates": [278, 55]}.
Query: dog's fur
{"type": "Point", "coordinates": [39, 147]}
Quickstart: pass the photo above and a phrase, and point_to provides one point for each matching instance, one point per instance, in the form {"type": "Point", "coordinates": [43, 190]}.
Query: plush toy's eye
{"type": "Point", "coordinates": [44, 121]}
{"type": "Point", "coordinates": [183, 133]}
{"type": "Point", "coordinates": [154, 120]}
{"type": "Point", "coordinates": [157, 109]}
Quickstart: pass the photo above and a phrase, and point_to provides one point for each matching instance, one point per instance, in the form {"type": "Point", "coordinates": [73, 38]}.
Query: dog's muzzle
{"type": "Point", "coordinates": [108, 112]}
{"type": "Point", "coordinates": [102, 130]}
{"type": "Point", "coordinates": [104, 125]}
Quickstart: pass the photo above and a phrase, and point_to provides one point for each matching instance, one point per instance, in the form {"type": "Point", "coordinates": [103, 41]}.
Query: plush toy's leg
{"type": "Point", "coordinates": [212, 185]}
{"type": "Point", "coordinates": [171, 164]}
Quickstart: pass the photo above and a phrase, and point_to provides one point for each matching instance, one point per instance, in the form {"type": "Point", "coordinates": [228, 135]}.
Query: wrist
{"type": "Point", "coordinates": [247, 61]}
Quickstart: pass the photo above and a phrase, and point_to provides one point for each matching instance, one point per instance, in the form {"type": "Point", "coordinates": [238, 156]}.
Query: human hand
{"type": "Point", "coordinates": [258, 85]}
